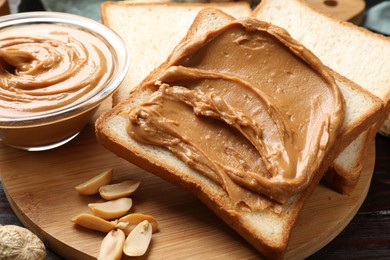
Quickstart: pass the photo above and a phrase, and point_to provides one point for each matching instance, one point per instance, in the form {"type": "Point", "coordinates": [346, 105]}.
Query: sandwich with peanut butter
{"type": "Point", "coordinates": [241, 115]}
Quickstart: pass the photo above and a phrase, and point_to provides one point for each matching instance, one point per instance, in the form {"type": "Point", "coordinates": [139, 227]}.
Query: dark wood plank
{"type": "Point", "coordinates": [368, 235]}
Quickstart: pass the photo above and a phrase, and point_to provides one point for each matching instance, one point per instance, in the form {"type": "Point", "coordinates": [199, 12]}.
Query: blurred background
{"type": "Point", "coordinates": [376, 16]}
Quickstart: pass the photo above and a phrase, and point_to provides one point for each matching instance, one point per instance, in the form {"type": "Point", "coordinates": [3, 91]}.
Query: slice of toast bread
{"type": "Point", "coordinates": [161, 37]}
{"type": "Point", "coordinates": [151, 31]}
{"type": "Point", "coordinates": [266, 230]}
{"type": "Point", "coordinates": [344, 47]}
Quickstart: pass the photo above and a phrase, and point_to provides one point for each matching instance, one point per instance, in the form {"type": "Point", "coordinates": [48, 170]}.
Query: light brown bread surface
{"type": "Point", "coordinates": [351, 51]}
{"type": "Point", "coordinates": [265, 230]}
{"type": "Point", "coordinates": [152, 30]}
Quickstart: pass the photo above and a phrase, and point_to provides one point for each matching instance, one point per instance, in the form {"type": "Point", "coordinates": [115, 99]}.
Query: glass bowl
{"type": "Point", "coordinates": [47, 129]}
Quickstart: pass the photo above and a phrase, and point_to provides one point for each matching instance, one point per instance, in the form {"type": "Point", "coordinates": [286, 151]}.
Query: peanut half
{"type": "Point", "coordinates": [111, 209]}
{"type": "Point", "coordinates": [137, 242]}
{"type": "Point", "coordinates": [112, 246]}
{"type": "Point", "coordinates": [130, 221]}
{"type": "Point", "coordinates": [92, 185]}
{"type": "Point", "coordinates": [118, 190]}
{"type": "Point", "coordinates": [94, 223]}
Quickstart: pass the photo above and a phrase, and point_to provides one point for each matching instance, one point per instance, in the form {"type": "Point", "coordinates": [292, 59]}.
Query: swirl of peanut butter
{"type": "Point", "coordinates": [44, 67]}
{"type": "Point", "coordinates": [246, 106]}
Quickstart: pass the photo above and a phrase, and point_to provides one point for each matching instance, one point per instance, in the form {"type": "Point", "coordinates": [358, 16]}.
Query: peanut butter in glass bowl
{"type": "Point", "coordinates": [55, 71]}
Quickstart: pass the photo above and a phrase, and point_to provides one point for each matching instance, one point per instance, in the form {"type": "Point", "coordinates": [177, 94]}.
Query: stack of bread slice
{"type": "Point", "coordinates": [151, 35]}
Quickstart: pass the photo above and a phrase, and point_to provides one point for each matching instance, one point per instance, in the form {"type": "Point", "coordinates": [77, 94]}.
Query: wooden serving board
{"type": "Point", "coordinates": [40, 189]}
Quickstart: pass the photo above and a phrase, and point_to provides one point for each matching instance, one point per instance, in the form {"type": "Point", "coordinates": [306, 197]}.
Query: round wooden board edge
{"type": "Point", "coordinates": [356, 199]}
{"type": "Point", "coordinates": [50, 242]}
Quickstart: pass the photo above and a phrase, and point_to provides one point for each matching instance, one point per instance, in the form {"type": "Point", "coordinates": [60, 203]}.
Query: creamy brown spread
{"type": "Point", "coordinates": [47, 66]}
{"type": "Point", "coordinates": [247, 107]}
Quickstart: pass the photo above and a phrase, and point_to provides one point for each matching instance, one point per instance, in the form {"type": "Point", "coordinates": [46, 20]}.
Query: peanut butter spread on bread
{"type": "Point", "coordinates": [247, 107]}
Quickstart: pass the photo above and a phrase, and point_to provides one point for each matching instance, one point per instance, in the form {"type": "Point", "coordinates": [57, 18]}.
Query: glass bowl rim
{"type": "Point", "coordinates": [114, 43]}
